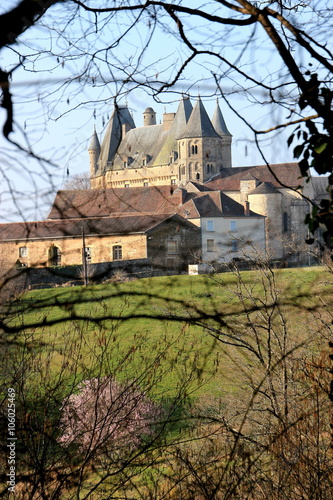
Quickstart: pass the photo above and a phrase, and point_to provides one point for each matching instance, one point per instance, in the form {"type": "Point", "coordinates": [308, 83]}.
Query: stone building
{"type": "Point", "coordinates": [167, 194]}
{"type": "Point", "coordinates": [190, 149]}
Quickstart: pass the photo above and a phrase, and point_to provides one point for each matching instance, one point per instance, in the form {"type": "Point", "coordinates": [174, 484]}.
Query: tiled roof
{"type": "Point", "coordinates": [265, 188]}
{"type": "Point", "coordinates": [212, 204]}
{"type": "Point", "coordinates": [74, 227]}
{"type": "Point", "coordinates": [106, 202]}
{"type": "Point", "coordinates": [288, 174]}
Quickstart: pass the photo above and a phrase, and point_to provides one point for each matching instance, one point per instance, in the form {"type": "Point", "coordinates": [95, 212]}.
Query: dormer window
{"type": "Point", "coordinates": [173, 156]}
{"type": "Point", "coordinates": [145, 160]}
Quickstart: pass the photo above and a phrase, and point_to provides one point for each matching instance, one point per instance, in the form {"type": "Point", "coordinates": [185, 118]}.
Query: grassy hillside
{"type": "Point", "coordinates": [237, 362]}
{"type": "Point", "coordinates": [179, 314]}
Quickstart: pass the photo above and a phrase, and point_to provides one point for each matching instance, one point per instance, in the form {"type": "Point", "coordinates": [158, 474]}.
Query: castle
{"type": "Point", "coordinates": [186, 146]}
{"type": "Point", "coordinates": [166, 195]}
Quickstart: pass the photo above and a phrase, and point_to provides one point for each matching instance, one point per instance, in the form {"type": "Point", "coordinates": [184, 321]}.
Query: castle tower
{"type": "Point", "coordinates": [149, 117]}
{"type": "Point", "coordinates": [200, 147]}
{"type": "Point", "coordinates": [267, 200]}
{"type": "Point", "coordinates": [221, 128]}
{"type": "Point", "coordinates": [94, 151]}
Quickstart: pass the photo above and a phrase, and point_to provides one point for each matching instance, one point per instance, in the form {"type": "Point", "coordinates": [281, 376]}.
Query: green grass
{"type": "Point", "coordinates": [152, 320]}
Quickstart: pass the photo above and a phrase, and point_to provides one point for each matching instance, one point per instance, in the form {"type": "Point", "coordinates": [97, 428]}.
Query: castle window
{"type": "Point", "coordinates": [197, 177]}
{"type": "Point", "coordinates": [173, 182]}
{"type": "Point", "coordinates": [117, 252]}
{"type": "Point", "coordinates": [145, 184]}
{"type": "Point", "coordinates": [234, 246]}
{"type": "Point", "coordinates": [210, 245]}
{"type": "Point", "coordinates": [233, 225]}
{"type": "Point", "coordinates": [54, 256]}
{"type": "Point", "coordinates": [23, 252]}
{"type": "Point", "coordinates": [194, 149]}
{"type": "Point", "coordinates": [144, 161]}
{"type": "Point", "coordinates": [171, 247]}
{"type": "Point", "coordinates": [125, 164]}
{"type": "Point", "coordinates": [127, 185]}
{"type": "Point", "coordinates": [210, 225]}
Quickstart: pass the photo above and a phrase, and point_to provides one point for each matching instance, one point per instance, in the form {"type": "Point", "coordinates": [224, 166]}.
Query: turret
{"type": "Point", "coordinates": [221, 128]}
{"type": "Point", "coordinates": [94, 151]}
{"type": "Point", "coordinates": [149, 117]}
{"type": "Point", "coordinates": [200, 147]}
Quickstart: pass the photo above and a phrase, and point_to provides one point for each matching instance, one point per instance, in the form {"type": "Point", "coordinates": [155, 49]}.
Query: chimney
{"type": "Point", "coordinates": [246, 208]}
{"type": "Point", "coordinates": [125, 127]}
{"type": "Point", "coordinates": [168, 120]}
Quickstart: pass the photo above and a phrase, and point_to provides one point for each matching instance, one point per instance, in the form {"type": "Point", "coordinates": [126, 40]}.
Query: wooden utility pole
{"type": "Point", "coordinates": [84, 259]}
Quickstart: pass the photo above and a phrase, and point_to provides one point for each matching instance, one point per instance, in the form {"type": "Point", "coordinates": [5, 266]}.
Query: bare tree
{"type": "Point", "coordinates": [275, 54]}
{"type": "Point", "coordinates": [78, 181]}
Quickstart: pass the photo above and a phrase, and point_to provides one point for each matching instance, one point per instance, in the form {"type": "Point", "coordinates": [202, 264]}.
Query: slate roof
{"type": "Point", "coordinates": [106, 202]}
{"type": "Point", "coordinates": [53, 229]}
{"type": "Point", "coordinates": [199, 124]}
{"type": "Point", "coordinates": [177, 129]}
{"type": "Point", "coordinates": [287, 173]}
{"type": "Point", "coordinates": [113, 135]}
{"type": "Point", "coordinates": [218, 122]}
{"type": "Point", "coordinates": [94, 143]}
{"type": "Point", "coordinates": [137, 144]}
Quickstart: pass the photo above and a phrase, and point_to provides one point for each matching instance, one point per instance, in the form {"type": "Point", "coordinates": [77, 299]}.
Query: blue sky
{"type": "Point", "coordinates": [56, 120]}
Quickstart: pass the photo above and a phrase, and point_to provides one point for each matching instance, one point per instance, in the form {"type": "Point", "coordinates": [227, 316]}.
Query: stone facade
{"type": "Point", "coordinates": [190, 149]}
{"type": "Point", "coordinates": [187, 146]}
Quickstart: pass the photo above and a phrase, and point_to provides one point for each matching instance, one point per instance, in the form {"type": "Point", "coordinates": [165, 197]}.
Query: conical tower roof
{"type": "Point", "coordinates": [218, 121]}
{"type": "Point", "coordinates": [183, 114]}
{"type": "Point", "coordinates": [94, 144]}
{"type": "Point", "coordinates": [199, 124]}
{"type": "Point", "coordinates": [113, 134]}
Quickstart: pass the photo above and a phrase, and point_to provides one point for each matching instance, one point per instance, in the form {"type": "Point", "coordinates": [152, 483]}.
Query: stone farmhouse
{"type": "Point", "coordinates": [166, 195]}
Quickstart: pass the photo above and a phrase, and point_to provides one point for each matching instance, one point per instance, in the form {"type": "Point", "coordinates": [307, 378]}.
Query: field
{"type": "Point", "coordinates": [183, 315]}
{"type": "Point", "coordinates": [231, 350]}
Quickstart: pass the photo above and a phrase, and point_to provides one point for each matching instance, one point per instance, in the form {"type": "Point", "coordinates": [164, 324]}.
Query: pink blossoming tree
{"type": "Point", "coordinates": [107, 416]}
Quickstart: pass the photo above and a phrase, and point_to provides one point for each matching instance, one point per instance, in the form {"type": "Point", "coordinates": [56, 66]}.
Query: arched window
{"type": "Point", "coordinates": [117, 252]}
{"type": "Point", "coordinates": [54, 256]}
{"type": "Point", "coordinates": [197, 176]}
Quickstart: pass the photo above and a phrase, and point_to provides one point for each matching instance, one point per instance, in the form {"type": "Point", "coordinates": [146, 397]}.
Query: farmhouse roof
{"type": "Point", "coordinates": [106, 202]}
{"type": "Point", "coordinates": [53, 229]}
